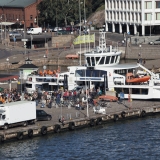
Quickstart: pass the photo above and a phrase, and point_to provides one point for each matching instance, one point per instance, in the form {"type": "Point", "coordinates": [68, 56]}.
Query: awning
{"type": "Point", "coordinates": [6, 23]}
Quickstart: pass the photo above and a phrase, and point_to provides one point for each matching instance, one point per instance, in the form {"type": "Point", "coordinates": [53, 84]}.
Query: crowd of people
{"type": "Point", "coordinates": [46, 99]}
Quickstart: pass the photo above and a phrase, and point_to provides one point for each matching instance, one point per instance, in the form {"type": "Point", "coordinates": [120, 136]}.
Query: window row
{"type": "Point", "coordinates": [90, 73]}
{"type": "Point", "coordinates": [123, 16]}
{"type": "Point", "coordinates": [148, 4]}
{"type": "Point", "coordinates": [123, 4]}
{"type": "Point", "coordinates": [149, 16]}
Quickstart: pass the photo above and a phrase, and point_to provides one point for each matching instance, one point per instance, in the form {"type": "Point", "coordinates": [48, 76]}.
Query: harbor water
{"type": "Point", "coordinates": [135, 139]}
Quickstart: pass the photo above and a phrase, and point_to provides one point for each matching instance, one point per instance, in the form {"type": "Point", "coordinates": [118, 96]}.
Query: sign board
{"type": "Point", "coordinates": [121, 95]}
{"type": "Point", "coordinates": [72, 23]}
{"type": "Point", "coordinates": [24, 40]}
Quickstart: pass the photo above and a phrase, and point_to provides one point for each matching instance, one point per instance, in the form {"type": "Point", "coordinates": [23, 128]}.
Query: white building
{"type": "Point", "coordinates": [132, 15]}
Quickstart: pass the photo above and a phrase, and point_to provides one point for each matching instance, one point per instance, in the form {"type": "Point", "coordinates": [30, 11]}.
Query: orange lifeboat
{"type": "Point", "coordinates": [40, 73]}
{"type": "Point", "coordinates": [133, 79]}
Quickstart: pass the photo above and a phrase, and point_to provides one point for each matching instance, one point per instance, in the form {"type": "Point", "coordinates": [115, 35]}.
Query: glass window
{"type": "Point", "coordinates": [31, 17]}
{"type": "Point", "coordinates": [148, 16]}
{"type": "Point", "coordinates": [97, 59]}
{"type": "Point", "coordinates": [88, 61]}
{"type": "Point", "coordinates": [103, 73]}
{"type": "Point", "coordinates": [116, 58]}
{"type": "Point", "coordinates": [112, 59]}
{"type": "Point", "coordinates": [157, 16]}
{"type": "Point", "coordinates": [148, 5]}
{"type": "Point", "coordinates": [102, 60]}
{"type": "Point", "coordinates": [79, 73]}
{"type": "Point", "coordinates": [107, 60]}
{"type": "Point", "coordinates": [157, 4]}
{"type": "Point", "coordinates": [28, 85]}
{"type": "Point", "coordinates": [88, 73]}
{"type": "Point", "coordinates": [93, 61]}
{"type": "Point", "coordinates": [96, 73]}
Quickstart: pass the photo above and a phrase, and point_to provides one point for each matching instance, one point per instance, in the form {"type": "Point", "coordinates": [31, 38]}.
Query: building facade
{"type": "Point", "coordinates": [136, 16]}
{"type": "Point", "coordinates": [20, 13]}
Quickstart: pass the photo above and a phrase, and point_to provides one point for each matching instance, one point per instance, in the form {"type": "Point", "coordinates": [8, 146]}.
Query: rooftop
{"type": "Point", "coordinates": [16, 3]}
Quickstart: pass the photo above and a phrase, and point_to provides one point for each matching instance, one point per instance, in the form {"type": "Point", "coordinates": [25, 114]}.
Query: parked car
{"type": "Point", "coordinates": [63, 32]}
{"type": "Point", "coordinates": [41, 115]}
{"type": "Point", "coordinates": [15, 34]}
{"type": "Point", "coordinates": [155, 42]}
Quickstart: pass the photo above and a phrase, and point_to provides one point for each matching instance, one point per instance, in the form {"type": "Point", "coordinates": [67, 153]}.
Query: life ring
{"type": "Point", "coordinates": [99, 121]}
{"type": "Point", "coordinates": [123, 114]}
{"type": "Point", "coordinates": [71, 126]}
{"type": "Point", "coordinates": [143, 113]}
{"type": "Point", "coordinates": [92, 122]}
{"type": "Point", "coordinates": [30, 133]}
{"type": "Point", "coordinates": [44, 130]}
{"type": "Point", "coordinates": [57, 128]}
{"type": "Point", "coordinates": [20, 135]}
{"type": "Point", "coordinates": [116, 117]}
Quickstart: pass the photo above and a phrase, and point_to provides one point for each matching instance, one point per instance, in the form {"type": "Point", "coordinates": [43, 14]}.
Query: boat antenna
{"type": "Point", "coordinates": [102, 41]}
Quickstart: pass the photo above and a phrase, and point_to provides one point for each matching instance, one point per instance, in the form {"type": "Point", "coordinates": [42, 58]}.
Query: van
{"type": "Point", "coordinates": [35, 30]}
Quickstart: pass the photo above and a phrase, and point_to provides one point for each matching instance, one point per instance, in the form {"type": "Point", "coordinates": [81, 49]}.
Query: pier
{"type": "Point", "coordinates": [75, 119]}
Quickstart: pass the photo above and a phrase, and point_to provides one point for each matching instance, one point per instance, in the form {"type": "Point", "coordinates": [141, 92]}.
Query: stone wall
{"type": "Point", "coordinates": [62, 41]}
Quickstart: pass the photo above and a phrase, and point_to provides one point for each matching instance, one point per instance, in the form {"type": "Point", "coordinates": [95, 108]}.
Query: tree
{"type": "Point", "coordinates": [62, 12]}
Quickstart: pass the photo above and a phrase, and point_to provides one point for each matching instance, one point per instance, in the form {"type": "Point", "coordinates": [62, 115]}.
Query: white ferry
{"type": "Point", "coordinates": [102, 70]}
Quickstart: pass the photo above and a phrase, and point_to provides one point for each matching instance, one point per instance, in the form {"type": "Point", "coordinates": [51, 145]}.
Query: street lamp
{"type": "Point", "coordinates": [44, 58]}
{"type": "Point", "coordinates": [5, 25]}
{"type": "Point", "coordinates": [80, 29]}
{"type": "Point", "coordinates": [140, 51]}
{"type": "Point", "coordinates": [7, 64]}
{"type": "Point", "coordinates": [45, 39]}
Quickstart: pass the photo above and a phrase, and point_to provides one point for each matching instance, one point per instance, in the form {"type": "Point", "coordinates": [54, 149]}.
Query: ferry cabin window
{"type": "Point", "coordinates": [97, 59]}
{"type": "Point", "coordinates": [112, 59]}
{"type": "Point", "coordinates": [116, 58]}
{"type": "Point", "coordinates": [79, 73]}
{"type": "Point", "coordinates": [53, 80]}
{"type": "Point", "coordinates": [93, 61]}
{"type": "Point", "coordinates": [28, 85]}
{"type": "Point", "coordinates": [102, 73]}
{"type": "Point", "coordinates": [88, 61]}
{"type": "Point", "coordinates": [121, 71]}
{"type": "Point", "coordinates": [102, 60]}
{"type": "Point", "coordinates": [107, 60]}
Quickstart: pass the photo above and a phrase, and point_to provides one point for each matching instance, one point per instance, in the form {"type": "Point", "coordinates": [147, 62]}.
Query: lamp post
{"type": "Point", "coordinates": [31, 40]}
{"type": "Point", "coordinates": [45, 39]}
{"type": "Point", "coordinates": [80, 29]}
{"type": "Point", "coordinates": [17, 22]}
{"type": "Point", "coordinates": [140, 46]}
{"type": "Point", "coordinates": [150, 22]}
{"type": "Point", "coordinates": [44, 58]}
{"type": "Point", "coordinates": [86, 92]}
{"type": "Point", "coordinates": [7, 64]}
{"type": "Point", "coordinates": [5, 25]}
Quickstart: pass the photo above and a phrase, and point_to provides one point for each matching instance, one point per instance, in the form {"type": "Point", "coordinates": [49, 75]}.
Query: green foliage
{"type": "Point", "coordinates": [101, 8]}
{"type": "Point", "coordinates": [62, 12]}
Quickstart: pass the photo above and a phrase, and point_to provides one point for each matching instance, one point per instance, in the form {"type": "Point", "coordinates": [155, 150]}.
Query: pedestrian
{"type": "Point", "coordinates": [144, 61]}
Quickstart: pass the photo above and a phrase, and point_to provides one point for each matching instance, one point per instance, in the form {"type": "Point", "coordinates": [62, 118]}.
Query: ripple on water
{"type": "Point", "coordinates": [130, 139]}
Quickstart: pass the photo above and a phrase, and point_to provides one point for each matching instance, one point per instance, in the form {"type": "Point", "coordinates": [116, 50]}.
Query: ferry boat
{"type": "Point", "coordinates": [104, 71]}
{"type": "Point", "coordinates": [38, 82]}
